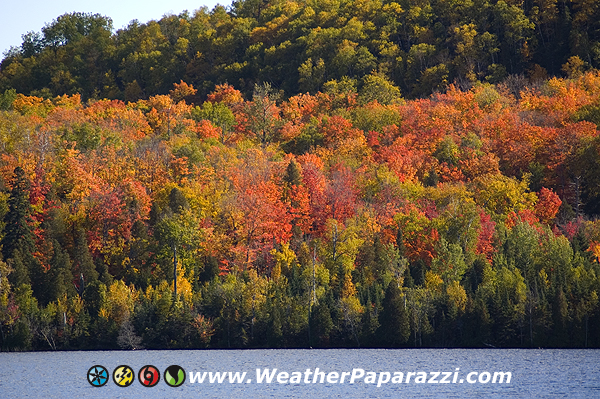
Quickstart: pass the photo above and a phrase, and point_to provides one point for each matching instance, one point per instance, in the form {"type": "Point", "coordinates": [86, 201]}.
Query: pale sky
{"type": "Point", "coordinates": [18, 17]}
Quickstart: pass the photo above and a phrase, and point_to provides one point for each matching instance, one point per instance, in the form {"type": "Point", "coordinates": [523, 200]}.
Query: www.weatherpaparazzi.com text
{"type": "Point", "coordinates": [356, 375]}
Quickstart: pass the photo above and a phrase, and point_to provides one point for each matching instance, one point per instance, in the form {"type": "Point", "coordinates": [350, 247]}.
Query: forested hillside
{"type": "Point", "coordinates": [255, 204]}
{"type": "Point", "coordinates": [298, 46]}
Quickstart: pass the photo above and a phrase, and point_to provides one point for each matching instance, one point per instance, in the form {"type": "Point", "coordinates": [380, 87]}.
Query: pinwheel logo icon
{"type": "Point", "coordinates": [97, 376]}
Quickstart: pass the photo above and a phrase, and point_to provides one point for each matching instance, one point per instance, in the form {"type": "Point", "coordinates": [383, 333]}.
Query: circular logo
{"type": "Point", "coordinates": [97, 376]}
{"type": "Point", "coordinates": [149, 376]}
{"type": "Point", "coordinates": [123, 376]}
{"type": "Point", "coordinates": [174, 376]}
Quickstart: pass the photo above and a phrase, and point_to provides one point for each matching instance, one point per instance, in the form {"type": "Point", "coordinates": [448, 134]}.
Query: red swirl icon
{"type": "Point", "coordinates": [149, 376]}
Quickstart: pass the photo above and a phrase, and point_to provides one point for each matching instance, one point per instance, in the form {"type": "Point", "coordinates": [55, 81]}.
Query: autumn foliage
{"type": "Point", "coordinates": [276, 216]}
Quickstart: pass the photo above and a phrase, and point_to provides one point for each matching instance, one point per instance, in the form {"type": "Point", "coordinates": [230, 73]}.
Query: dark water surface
{"type": "Point", "coordinates": [535, 373]}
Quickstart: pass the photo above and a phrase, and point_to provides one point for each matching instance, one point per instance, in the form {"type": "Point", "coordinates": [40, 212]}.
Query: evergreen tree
{"type": "Point", "coordinates": [321, 324]}
{"type": "Point", "coordinates": [211, 269]}
{"type": "Point", "coordinates": [560, 319]}
{"type": "Point", "coordinates": [20, 274]}
{"type": "Point", "coordinates": [293, 177]}
{"type": "Point", "coordinates": [83, 265]}
{"type": "Point", "coordinates": [394, 329]}
{"type": "Point", "coordinates": [94, 297]}
{"type": "Point", "coordinates": [17, 233]}
{"type": "Point", "coordinates": [103, 274]}
{"type": "Point", "coordinates": [18, 242]}
{"type": "Point", "coordinates": [138, 271]}
{"type": "Point", "coordinates": [400, 242]}
{"type": "Point", "coordinates": [60, 270]}
{"type": "Point", "coordinates": [177, 201]}
{"type": "Point", "coordinates": [38, 275]}
{"type": "Point", "coordinates": [54, 223]}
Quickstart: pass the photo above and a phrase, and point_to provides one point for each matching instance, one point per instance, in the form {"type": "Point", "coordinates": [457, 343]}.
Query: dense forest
{"type": "Point", "coordinates": [300, 46]}
{"type": "Point", "coordinates": [285, 174]}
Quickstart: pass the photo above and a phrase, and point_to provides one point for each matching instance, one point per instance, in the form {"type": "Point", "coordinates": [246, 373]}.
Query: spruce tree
{"type": "Point", "coordinates": [38, 275]}
{"type": "Point", "coordinates": [60, 270]}
{"type": "Point", "coordinates": [19, 274]}
{"type": "Point", "coordinates": [394, 329]}
{"type": "Point", "coordinates": [17, 233]}
{"type": "Point", "coordinates": [321, 324]}
{"type": "Point", "coordinates": [18, 245]}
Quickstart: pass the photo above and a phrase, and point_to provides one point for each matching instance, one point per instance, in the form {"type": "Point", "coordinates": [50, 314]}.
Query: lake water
{"type": "Point", "coordinates": [534, 373]}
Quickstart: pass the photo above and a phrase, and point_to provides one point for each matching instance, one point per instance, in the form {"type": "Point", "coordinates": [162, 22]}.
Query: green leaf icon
{"type": "Point", "coordinates": [171, 380]}
{"type": "Point", "coordinates": [170, 374]}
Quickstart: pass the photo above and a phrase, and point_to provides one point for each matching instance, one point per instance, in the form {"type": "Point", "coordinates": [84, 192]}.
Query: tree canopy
{"type": "Point", "coordinates": [417, 47]}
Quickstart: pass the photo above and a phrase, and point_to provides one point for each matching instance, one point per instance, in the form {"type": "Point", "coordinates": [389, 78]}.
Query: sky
{"type": "Point", "coordinates": [18, 17]}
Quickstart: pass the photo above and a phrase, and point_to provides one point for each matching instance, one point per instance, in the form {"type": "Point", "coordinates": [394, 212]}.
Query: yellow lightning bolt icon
{"type": "Point", "coordinates": [123, 376]}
